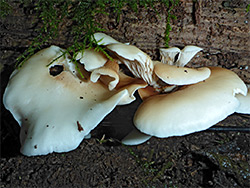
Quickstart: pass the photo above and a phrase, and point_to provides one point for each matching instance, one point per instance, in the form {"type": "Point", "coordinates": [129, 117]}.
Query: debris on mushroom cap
{"type": "Point", "coordinates": [135, 137]}
{"type": "Point", "coordinates": [187, 54]}
{"type": "Point", "coordinates": [56, 111]}
{"type": "Point", "coordinates": [169, 55]}
{"type": "Point", "coordinates": [244, 107]}
{"type": "Point", "coordinates": [193, 108]}
{"type": "Point", "coordinates": [91, 59]}
{"type": "Point", "coordinates": [180, 75]}
{"type": "Point", "coordinates": [138, 62]}
{"type": "Point", "coordinates": [103, 39]}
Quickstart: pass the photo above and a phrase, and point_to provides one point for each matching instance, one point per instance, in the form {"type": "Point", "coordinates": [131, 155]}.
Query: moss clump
{"type": "Point", "coordinates": [5, 8]}
{"type": "Point", "coordinates": [53, 14]}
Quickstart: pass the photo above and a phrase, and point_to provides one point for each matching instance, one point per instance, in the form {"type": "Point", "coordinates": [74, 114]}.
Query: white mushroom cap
{"type": "Point", "coordinates": [168, 55]}
{"type": "Point", "coordinates": [135, 137]}
{"type": "Point", "coordinates": [174, 75]}
{"type": "Point", "coordinates": [187, 54]}
{"type": "Point", "coordinates": [91, 59]}
{"type": "Point", "coordinates": [138, 62]}
{"type": "Point", "coordinates": [244, 107]}
{"type": "Point", "coordinates": [103, 39]}
{"type": "Point", "coordinates": [56, 112]}
{"type": "Point", "coordinates": [108, 74]}
{"type": "Point", "coordinates": [192, 108]}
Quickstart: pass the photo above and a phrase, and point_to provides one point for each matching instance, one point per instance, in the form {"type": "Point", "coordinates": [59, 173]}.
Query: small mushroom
{"type": "Point", "coordinates": [116, 80]}
{"type": "Point", "coordinates": [91, 59]}
{"type": "Point", "coordinates": [103, 39]}
{"type": "Point", "coordinates": [138, 62]}
{"type": "Point", "coordinates": [170, 55]}
{"type": "Point", "coordinates": [174, 75]}
{"type": "Point", "coordinates": [175, 56]}
{"type": "Point", "coordinates": [57, 111]}
{"type": "Point", "coordinates": [192, 108]}
{"type": "Point", "coordinates": [187, 54]}
{"type": "Point", "coordinates": [108, 74]}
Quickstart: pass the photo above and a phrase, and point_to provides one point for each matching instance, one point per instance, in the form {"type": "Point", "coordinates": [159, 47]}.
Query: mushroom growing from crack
{"type": "Point", "coordinates": [55, 107]}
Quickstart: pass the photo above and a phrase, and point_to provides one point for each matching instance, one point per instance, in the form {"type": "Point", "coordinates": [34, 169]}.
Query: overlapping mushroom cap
{"type": "Point", "coordinates": [54, 106]}
{"type": "Point", "coordinates": [192, 108]}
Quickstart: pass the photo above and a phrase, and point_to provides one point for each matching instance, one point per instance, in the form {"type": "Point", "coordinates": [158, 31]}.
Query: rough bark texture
{"type": "Point", "coordinates": [205, 159]}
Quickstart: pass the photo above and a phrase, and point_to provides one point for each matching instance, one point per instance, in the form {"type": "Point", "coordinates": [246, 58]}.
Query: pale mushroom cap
{"type": "Point", "coordinates": [108, 74]}
{"type": "Point", "coordinates": [91, 59]}
{"type": "Point", "coordinates": [193, 108]}
{"type": "Point", "coordinates": [174, 75]}
{"type": "Point", "coordinates": [56, 112]}
{"type": "Point", "coordinates": [244, 107]}
{"type": "Point", "coordinates": [187, 54]}
{"type": "Point", "coordinates": [138, 62]}
{"type": "Point", "coordinates": [135, 137]}
{"type": "Point", "coordinates": [168, 55]}
{"type": "Point", "coordinates": [103, 39]}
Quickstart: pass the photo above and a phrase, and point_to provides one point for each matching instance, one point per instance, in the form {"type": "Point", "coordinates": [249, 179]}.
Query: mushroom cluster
{"type": "Point", "coordinates": [57, 107]}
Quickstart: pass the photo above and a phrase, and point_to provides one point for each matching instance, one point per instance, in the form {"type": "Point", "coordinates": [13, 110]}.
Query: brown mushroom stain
{"type": "Point", "coordinates": [79, 126]}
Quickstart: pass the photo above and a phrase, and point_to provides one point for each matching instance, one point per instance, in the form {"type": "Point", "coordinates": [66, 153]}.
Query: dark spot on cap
{"type": "Point", "coordinates": [185, 71]}
{"type": "Point", "coordinates": [35, 146]}
{"type": "Point", "coordinates": [56, 70]}
{"type": "Point", "coordinates": [47, 125]}
{"type": "Point", "coordinates": [81, 97]}
{"type": "Point", "coordinates": [79, 126]}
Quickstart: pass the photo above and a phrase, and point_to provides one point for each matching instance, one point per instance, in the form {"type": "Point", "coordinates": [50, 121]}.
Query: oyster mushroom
{"type": "Point", "coordinates": [192, 108]}
{"type": "Point", "coordinates": [54, 106]}
{"type": "Point", "coordinates": [91, 59]}
{"type": "Point", "coordinates": [103, 39]}
{"type": "Point", "coordinates": [175, 56]}
{"type": "Point", "coordinates": [175, 75]}
{"type": "Point", "coordinates": [138, 62]}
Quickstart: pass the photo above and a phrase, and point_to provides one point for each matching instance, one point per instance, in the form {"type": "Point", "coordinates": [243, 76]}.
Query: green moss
{"type": "Point", "coordinates": [5, 8]}
{"type": "Point", "coordinates": [248, 8]}
{"type": "Point", "coordinates": [81, 13]}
